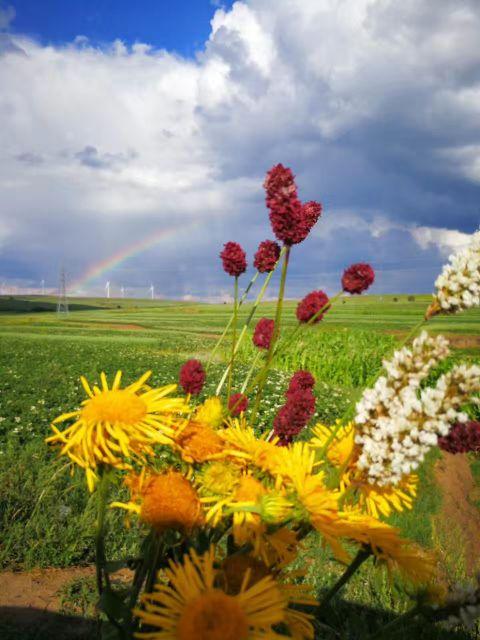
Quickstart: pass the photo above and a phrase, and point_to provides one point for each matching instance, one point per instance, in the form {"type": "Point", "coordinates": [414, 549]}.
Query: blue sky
{"type": "Point", "coordinates": [179, 26]}
{"type": "Point", "coordinates": [122, 120]}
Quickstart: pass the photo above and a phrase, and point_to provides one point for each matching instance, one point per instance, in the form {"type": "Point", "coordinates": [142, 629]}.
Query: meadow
{"type": "Point", "coordinates": [48, 521]}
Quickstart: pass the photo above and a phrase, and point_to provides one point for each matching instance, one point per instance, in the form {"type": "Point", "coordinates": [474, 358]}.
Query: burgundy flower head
{"type": "Point", "coordinates": [267, 256]}
{"type": "Point", "coordinates": [310, 305]}
{"type": "Point", "coordinates": [279, 183]}
{"type": "Point", "coordinates": [300, 380]}
{"type": "Point", "coordinates": [192, 377]}
{"type": "Point", "coordinates": [294, 415]}
{"type": "Point", "coordinates": [234, 259]}
{"type": "Point", "coordinates": [262, 336]}
{"type": "Point", "coordinates": [291, 221]}
{"type": "Point", "coordinates": [311, 212]}
{"type": "Point", "coordinates": [237, 404]}
{"type": "Point", "coordinates": [357, 278]}
{"type": "Point", "coordinates": [462, 437]}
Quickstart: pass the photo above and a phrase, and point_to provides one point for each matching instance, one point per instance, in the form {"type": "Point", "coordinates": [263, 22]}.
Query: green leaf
{"type": "Point", "coordinates": [113, 606]}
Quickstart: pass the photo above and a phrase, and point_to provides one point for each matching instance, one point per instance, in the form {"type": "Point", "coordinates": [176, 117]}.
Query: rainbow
{"type": "Point", "coordinates": [107, 264]}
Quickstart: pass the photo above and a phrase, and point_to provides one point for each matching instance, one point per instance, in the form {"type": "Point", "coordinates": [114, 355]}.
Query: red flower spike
{"type": "Point", "coordinates": [462, 438]}
{"type": "Point", "coordinates": [267, 256]}
{"type": "Point", "coordinates": [192, 377]}
{"type": "Point", "coordinates": [237, 404]}
{"type": "Point", "coordinates": [279, 183]}
{"type": "Point", "coordinates": [357, 278]}
{"type": "Point", "coordinates": [291, 221]}
{"type": "Point", "coordinates": [311, 212]}
{"type": "Point", "coordinates": [300, 380]}
{"type": "Point", "coordinates": [294, 415]}
{"type": "Point", "coordinates": [310, 305]}
{"type": "Point", "coordinates": [262, 336]}
{"type": "Point", "coordinates": [234, 259]}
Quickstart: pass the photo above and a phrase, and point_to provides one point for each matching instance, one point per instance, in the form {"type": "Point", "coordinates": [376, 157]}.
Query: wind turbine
{"type": "Point", "coordinates": [152, 291]}
{"type": "Point", "coordinates": [122, 290]}
{"type": "Point", "coordinates": [43, 287]}
{"type": "Point", "coordinates": [107, 288]}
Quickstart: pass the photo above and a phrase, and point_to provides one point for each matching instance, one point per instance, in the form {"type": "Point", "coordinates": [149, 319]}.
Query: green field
{"type": "Point", "coordinates": [48, 520]}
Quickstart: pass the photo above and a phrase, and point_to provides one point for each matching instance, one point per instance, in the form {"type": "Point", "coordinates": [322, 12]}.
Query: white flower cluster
{"type": "Point", "coordinates": [397, 422]}
{"type": "Point", "coordinates": [463, 606]}
{"type": "Point", "coordinates": [458, 286]}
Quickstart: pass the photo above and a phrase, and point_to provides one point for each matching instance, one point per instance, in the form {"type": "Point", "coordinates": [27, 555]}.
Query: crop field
{"type": "Point", "coordinates": [48, 521]}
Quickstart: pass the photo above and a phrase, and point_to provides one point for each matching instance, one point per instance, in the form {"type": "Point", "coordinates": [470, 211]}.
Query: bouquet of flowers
{"type": "Point", "coordinates": [224, 509]}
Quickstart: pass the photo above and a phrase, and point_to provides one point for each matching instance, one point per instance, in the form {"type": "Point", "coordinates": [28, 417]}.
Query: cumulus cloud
{"type": "Point", "coordinates": [374, 103]}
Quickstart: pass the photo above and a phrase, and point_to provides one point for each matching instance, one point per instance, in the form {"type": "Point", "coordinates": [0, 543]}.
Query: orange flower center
{"type": "Point", "coordinates": [249, 490]}
{"type": "Point", "coordinates": [199, 442]}
{"type": "Point", "coordinates": [234, 569]}
{"type": "Point", "coordinates": [118, 406]}
{"type": "Point", "coordinates": [170, 502]}
{"type": "Point", "coordinates": [213, 616]}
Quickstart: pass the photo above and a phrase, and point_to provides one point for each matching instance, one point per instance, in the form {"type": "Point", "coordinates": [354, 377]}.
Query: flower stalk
{"type": "Point", "coordinates": [234, 336]}
{"type": "Point", "coordinates": [229, 323]}
{"type": "Point", "coordinates": [363, 554]}
{"type": "Point", "coordinates": [250, 316]}
{"type": "Point", "coordinates": [276, 333]}
{"type": "Point", "coordinates": [100, 559]}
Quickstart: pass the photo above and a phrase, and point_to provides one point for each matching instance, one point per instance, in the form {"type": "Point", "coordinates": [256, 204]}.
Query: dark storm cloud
{"type": "Point", "coordinates": [374, 104]}
{"type": "Point", "coordinates": [89, 156]}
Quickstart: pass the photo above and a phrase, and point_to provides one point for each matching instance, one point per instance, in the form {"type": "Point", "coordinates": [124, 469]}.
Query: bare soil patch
{"type": "Point", "coordinates": [459, 519]}
{"type": "Point", "coordinates": [457, 340]}
{"type": "Point", "coordinates": [38, 588]}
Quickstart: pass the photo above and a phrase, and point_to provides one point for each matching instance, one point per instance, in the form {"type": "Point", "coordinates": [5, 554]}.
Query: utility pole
{"type": "Point", "coordinates": [62, 301]}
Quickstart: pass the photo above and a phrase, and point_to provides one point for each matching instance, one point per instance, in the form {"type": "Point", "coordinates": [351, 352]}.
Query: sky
{"type": "Point", "coordinates": [135, 138]}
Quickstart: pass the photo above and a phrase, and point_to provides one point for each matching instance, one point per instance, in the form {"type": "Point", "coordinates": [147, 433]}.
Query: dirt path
{"type": "Point", "coordinates": [38, 588]}
{"type": "Point", "coordinates": [30, 605]}
{"type": "Point", "coordinates": [457, 340]}
{"type": "Point", "coordinates": [458, 516]}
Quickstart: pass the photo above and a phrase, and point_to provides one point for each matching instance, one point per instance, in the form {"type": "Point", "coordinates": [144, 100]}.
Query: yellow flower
{"type": "Point", "coordinates": [164, 501]}
{"type": "Point", "coordinates": [275, 508]}
{"type": "Point", "coordinates": [235, 569]}
{"type": "Point", "coordinates": [210, 413]}
{"type": "Point", "coordinates": [296, 463]}
{"type": "Point", "coordinates": [415, 563]}
{"type": "Point", "coordinates": [321, 506]}
{"type": "Point", "coordinates": [198, 442]}
{"type": "Point", "coordinates": [377, 500]}
{"type": "Point", "coordinates": [280, 547]}
{"type": "Point", "coordinates": [117, 425]}
{"type": "Point", "coordinates": [243, 443]}
{"type": "Point", "coordinates": [193, 606]}
{"type": "Point", "coordinates": [218, 478]}
{"type": "Point", "coordinates": [339, 442]}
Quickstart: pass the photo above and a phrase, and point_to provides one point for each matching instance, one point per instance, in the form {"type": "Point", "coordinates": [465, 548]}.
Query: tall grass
{"type": "Point", "coordinates": [345, 357]}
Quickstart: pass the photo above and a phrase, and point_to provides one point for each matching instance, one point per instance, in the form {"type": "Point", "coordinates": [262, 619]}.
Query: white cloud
{"type": "Point", "coordinates": [447, 240]}
{"type": "Point", "coordinates": [374, 103]}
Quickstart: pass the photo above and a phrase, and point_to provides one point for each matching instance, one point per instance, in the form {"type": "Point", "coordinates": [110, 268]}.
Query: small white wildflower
{"type": "Point", "coordinates": [458, 286]}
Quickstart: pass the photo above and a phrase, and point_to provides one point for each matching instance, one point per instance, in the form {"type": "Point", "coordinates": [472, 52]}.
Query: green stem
{"type": "Point", "coordinates": [100, 560]}
{"type": "Point", "coordinates": [395, 624]}
{"type": "Point", "coordinates": [412, 332]}
{"type": "Point", "coordinates": [276, 333]}
{"type": "Point", "coordinates": [234, 337]}
{"type": "Point", "coordinates": [244, 329]}
{"type": "Point", "coordinates": [286, 343]}
{"type": "Point", "coordinates": [356, 563]}
{"type": "Point", "coordinates": [250, 371]}
{"type": "Point", "coordinates": [325, 307]}
{"type": "Point", "coordinates": [242, 300]}
{"type": "Point", "coordinates": [152, 570]}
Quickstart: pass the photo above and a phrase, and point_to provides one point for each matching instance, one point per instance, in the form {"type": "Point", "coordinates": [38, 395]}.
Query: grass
{"type": "Point", "coordinates": [48, 520]}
